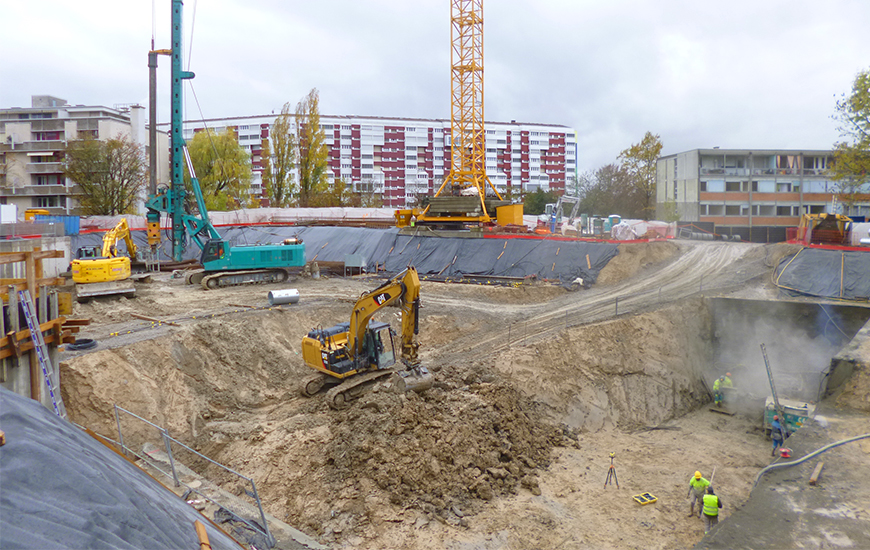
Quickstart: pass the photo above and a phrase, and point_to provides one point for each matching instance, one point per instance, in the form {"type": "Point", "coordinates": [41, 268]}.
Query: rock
{"type": "Point", "coordinates": [484, 490]}
{"type": "Point", "coordinates": [497, 473]}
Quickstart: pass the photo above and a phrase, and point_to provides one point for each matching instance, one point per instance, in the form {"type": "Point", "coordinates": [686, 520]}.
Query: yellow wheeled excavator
{"type": "Point", "coordinates": [352, 356]}
{"type": "Point", "coordinates": [101, 271]}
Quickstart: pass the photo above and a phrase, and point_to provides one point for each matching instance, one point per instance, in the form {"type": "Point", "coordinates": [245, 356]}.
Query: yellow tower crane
{"type": "Point", "coordinates": [462, 197]}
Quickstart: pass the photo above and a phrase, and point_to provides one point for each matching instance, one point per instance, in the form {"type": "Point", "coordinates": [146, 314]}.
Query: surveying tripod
{"type": "Point", "coordinates": [611, 473]}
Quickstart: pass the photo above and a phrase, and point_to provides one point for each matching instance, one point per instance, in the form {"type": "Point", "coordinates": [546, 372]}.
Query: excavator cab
{"type": "Point", "coordinates": [88, 253]}
{"type": "Point", "coordinates": [379, 346]}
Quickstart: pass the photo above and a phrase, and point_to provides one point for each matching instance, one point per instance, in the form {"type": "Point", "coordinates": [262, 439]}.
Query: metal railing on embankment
{"type": "Point", "coordinates": [175, 466]}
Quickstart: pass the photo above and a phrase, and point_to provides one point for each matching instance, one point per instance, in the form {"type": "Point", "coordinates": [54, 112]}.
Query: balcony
{"type": "Point", "coordinates": [40, 191]}
{"type": "Point", "coordinates": [45, 168]}
{"type": "Point", "coordinates": [27, 146]}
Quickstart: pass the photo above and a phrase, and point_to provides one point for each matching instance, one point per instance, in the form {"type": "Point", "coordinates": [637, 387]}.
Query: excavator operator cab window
{"type": "Point", "coordinates": [386, 353]}
{"type": "Point", "coordinates": [88, 253]}
{"type": "Point", "coordinates": [213, 250]}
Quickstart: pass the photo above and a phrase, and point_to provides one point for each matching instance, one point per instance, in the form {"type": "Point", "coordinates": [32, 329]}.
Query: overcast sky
{"type": "Point", "coordinates": [735, 74]}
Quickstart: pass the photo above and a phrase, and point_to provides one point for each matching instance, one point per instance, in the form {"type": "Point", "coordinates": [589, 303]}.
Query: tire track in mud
{"type": "Point", "coordinates": [703, 268]}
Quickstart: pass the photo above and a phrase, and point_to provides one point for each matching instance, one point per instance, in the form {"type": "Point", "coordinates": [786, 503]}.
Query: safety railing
{"type": "Point", "coordinates": [174, 468]}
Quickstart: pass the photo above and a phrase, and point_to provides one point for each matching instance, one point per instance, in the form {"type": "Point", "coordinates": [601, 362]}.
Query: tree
{"type": "Point", "coordinates": [111, 174]}
{"type": "Point", "coordinates": [279, 160]}
{"type": "Point", "coordinates": [610, 190]}
{"type": "Point", "coordinates": [223, 169]}
{"type": "Point", "coordinates": [851, 164]}
{"type": "Point", "coordinates": [536, 203]}
{"type": "Point", "coordinates": [639, 161]}
{"type": "Point", "coordinates": [311, 151]}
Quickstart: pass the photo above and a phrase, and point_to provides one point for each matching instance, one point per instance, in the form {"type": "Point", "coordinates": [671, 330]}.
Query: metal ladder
{"type": "Point", "coordinates": [41, 351]}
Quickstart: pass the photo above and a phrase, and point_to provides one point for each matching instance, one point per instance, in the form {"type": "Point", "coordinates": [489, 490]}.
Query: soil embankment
{"type": "Point", "coordinates": [535, 387]}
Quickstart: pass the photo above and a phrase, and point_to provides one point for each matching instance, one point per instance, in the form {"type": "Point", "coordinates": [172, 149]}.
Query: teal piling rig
{"type": "Point", "coordinates": [223, 265]}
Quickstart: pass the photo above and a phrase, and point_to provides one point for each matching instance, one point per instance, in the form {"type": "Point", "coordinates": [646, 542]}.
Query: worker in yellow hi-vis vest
{"type": "Point", "coordinates": [712, 503]}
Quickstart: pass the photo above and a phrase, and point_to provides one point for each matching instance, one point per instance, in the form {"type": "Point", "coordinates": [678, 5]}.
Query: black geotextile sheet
{"type": "Point", "coordinates": [449, 257]}
{"type": "Point", "coordinates": [825, 273]}
{"type": "Point", "coordinates": [60, 488]}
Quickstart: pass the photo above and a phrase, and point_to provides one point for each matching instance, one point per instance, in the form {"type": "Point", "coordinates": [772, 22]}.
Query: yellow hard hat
{"type": "Point", "coordinates": [697, 475]}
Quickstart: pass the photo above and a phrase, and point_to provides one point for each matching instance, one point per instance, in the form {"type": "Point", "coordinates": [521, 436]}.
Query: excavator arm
{"type": "Point", "coordinates": [404, 286]}
{"type": "Point", "coordinates": [110, 241]}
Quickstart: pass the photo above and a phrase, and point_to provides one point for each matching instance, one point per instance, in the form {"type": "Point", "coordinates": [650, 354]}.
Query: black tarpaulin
{"type": "Point", "coordinates": [825, 273]}
{"type": "Point", "coordinates": [453, 257]}
{"type": "Point", "coordinates": [61, 488]}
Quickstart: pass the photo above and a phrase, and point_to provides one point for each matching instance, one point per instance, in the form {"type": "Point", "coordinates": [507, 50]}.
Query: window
{"type": "Point", "coordinates": [732, 209]}
{"type": "Point", "coordinates": [787, 211]}
{"type": "Point", "coordinates": [490, 132]}
{"type": "Point", "coordinates": [345, 146]}
{"type": "Point", "coordinates": [702, 186]}
{"type": "Point", "coordinates": [410, 129]}
{"type": "Point", "coordinates": [735, 186]}
{"type": "Point", "coordinates": [243, 127]}
{"type": "Point", "coordinates": [367, 156]}
{"type": "Point", "coordinates": [51, 201]}
{"type": "Point", "coordinates": [326, 126]}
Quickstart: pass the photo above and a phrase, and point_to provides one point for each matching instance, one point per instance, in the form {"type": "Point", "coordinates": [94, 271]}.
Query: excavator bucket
{"type": "Point", "coordinates": [417, 379]}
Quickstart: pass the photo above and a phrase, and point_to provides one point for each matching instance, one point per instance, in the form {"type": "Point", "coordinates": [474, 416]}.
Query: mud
{"type": "Point", "coordinates": [509, 450]}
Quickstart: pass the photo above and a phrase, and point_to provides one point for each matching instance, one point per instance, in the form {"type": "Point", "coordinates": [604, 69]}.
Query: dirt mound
{"type": "Point", "coordinates": [633, 257]}
{"type": "Point", "coordinates": [443, 451]}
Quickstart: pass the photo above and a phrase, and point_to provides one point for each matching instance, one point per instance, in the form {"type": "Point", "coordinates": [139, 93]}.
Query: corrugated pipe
{"type": "Point", "coordinates": [809, 456]}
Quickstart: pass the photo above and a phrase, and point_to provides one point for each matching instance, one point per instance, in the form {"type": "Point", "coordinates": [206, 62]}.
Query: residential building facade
{"type": "Point", "coordinates": [746, 188]}
{"type": "Point", "coordinates": [33, 141]}
{"type": "Point", "coordinates": [401, 159]}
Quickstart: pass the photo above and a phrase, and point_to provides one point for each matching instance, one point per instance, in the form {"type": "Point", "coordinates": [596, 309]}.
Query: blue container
{"type": "Point", "coordinates": [70, 223]}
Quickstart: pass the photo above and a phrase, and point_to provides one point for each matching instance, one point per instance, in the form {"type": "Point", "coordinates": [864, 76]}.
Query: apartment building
{"type": "Point", "coordinates": [403, 158]}
{"type": "Point", "coordinates": [33, 141]}
{"type": "Point", "coordinates": [744, 189]}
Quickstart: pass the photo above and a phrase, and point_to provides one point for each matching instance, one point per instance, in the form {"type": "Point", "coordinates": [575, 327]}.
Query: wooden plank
{"type": "Point", "coordinates": [12, 257]}
{"type": "Point", "coordinates": [816, 473]}
{"type": "Point", "coordinates": [66, 337]}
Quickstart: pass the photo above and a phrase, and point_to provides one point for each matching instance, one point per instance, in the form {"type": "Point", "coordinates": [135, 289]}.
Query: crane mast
{"type": "Point", "coordinates": [462, 196]}
{"type": "Point", "coordinates": [468, 137]}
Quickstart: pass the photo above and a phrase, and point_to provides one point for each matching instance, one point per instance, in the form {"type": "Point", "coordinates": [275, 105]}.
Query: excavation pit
{"type": "Point", "coordinates": [510, 447]}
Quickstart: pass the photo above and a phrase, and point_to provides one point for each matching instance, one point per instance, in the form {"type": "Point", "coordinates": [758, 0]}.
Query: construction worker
{"type": "Point", "coordinates": [697, 486]}
{"type": "Point", "coordinates": [726, 382]}
{"type": "Point", "coordinates": [712, 503]}
{"type": "Point", "coordinates": [717, 392]}
{"type": "Point", "coordinates": [776, 434]}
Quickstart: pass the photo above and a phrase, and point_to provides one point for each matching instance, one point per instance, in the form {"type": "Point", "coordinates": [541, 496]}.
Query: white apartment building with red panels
{"type": "Point", "coordinates": [401, 158]}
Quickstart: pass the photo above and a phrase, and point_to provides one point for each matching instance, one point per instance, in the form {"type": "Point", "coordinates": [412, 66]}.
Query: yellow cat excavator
{"type": "Point", "coordinates": [353, 356]}
{"type": "Point", "coordinates": [100, 271]}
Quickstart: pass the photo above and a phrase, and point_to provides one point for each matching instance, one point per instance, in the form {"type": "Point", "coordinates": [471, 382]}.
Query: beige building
{"type": "Point", "coordinates": [33, 141]}
{"type": "Point", "coordinates": [750, 190]}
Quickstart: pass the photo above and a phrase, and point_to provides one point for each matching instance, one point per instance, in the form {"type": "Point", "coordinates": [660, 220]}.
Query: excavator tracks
{"type": "Point", "coordinates": [234, 278]}
{"type": "Point", "coordinates": [340, 396]}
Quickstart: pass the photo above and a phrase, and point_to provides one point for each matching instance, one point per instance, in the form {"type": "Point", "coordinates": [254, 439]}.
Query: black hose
{"type": "Point", "coordinates": [82, 343]}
